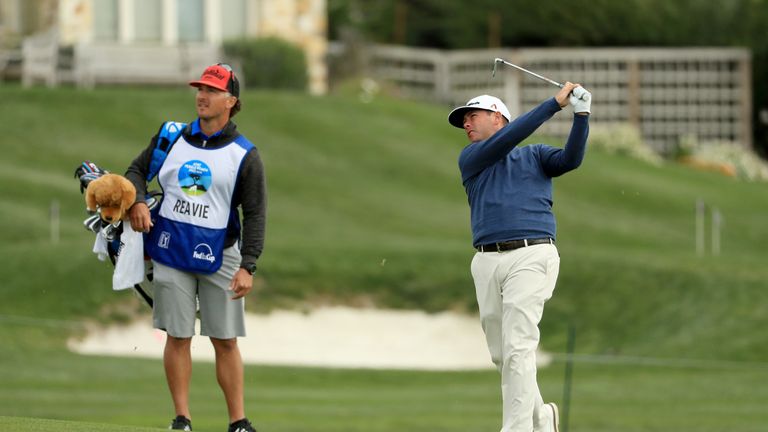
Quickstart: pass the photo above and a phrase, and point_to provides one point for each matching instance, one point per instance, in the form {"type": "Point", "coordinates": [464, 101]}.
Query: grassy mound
{"type": "Point", "coordinates": [366, 207]}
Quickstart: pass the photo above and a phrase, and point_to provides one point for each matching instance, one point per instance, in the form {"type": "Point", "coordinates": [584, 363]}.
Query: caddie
{"type": "Point", "coordinates": [509, 189]}
{"type": "Point", "coordinates": [201, 250]}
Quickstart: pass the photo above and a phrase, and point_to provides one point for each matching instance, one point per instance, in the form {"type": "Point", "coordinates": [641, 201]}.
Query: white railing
{"type": "Point", "coordinates": [117, 63]}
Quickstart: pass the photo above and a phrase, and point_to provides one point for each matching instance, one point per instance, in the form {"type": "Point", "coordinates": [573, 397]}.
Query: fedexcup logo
{"type": "Point", "coordinates": [203, 252]}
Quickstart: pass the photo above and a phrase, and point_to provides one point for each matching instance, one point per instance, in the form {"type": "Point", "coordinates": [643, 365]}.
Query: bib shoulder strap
{"type": "Point", "coordinates": [169, 133]}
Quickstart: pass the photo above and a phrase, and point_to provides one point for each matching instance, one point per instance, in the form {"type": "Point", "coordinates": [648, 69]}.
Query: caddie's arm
{"type": "Point", "coordinates": [141, 220]}
{"type": "Point", "coordinates": [251, 195]}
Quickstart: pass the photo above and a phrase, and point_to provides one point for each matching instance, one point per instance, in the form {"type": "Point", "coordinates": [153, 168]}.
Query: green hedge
{"type": "Point", "coordinates": [269, 63]}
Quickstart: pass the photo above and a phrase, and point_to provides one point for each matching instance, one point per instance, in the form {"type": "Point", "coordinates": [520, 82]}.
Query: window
{"type": "Point", "coordinates": [234, 14]}
{"type": "Point", "coordinates": [105, 20]}
{"type": "Point", "coordinates": [191, 24]}
{"type": "Point", "coordinates": [148, 20]}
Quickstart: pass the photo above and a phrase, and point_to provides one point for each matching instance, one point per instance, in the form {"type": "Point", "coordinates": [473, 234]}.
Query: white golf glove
{"type": "Point", "coordinates": [581, 100]}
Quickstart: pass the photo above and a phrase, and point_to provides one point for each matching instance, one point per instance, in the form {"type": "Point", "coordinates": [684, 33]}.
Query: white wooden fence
{"type": "Point", "coordinates": [667, 92]}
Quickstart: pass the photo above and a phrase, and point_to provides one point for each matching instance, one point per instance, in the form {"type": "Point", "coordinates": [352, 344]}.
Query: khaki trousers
{"type": "Point", "coordinates": [512, 288]}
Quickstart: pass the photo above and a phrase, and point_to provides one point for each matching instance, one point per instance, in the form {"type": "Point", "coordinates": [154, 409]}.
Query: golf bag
{"type": "Point", "coordinates": [86, 173]}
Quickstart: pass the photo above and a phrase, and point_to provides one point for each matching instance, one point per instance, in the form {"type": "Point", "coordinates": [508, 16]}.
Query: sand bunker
{"type": "Point", "coordinates": [338, 337]}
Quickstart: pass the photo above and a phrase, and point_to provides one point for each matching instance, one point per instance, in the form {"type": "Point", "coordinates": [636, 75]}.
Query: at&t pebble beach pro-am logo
{"type": "Point", "coordinates": [194, 177]}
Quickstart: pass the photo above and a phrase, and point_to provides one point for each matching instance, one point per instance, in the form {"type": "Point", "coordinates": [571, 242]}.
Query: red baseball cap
{"type": "Point", "coordinates": [219, 76]}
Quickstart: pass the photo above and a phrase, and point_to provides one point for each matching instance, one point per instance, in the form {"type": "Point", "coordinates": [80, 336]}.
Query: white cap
{"type": "Point", "coordinates": [484, 102]}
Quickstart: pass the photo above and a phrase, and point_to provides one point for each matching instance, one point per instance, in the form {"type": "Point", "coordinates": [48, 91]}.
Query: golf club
{"type": "Point", "coordinates": [498, 60]}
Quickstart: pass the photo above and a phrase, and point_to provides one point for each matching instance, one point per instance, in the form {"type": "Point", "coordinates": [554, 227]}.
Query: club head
{"type": "Point", "coordinates": [495, 63]}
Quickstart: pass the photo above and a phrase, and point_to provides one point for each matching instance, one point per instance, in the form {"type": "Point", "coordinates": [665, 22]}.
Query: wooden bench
{"type": "Point", "coordinates": [114, 63]}
{"type": "Point", "coordinates": [40, 58]}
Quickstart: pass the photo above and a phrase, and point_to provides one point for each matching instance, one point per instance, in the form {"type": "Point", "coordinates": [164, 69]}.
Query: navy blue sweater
{"type": "Point", "coordinates": [509, 189]}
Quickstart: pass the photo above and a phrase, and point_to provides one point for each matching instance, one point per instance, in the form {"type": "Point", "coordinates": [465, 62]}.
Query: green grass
{"type": "Point", "coordinates": [23, 424]}
{"type": "Point", "coordinates": [605, 397]}
{"type": "Point", "coordinates": [366, 207]}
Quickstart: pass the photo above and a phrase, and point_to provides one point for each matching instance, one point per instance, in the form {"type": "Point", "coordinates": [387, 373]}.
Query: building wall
{"type": "Point", "coordinates": [19, 18]}
{"type": "Point", "coordinates": [10, 20]}
{"type": "Point", "coordinates": [303, 22]}
{"type": "Point", "coordinates": [75, 20]}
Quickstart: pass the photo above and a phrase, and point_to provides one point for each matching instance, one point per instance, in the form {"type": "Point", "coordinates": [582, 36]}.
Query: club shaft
{"type": "Point", "coordinates": [543, 78]}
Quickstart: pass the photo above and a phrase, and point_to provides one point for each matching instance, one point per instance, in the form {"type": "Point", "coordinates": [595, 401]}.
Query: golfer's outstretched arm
{"type": "Point", "coordinates": [558, 161]}
{"type": "Point", "coordinates": [480, 155]}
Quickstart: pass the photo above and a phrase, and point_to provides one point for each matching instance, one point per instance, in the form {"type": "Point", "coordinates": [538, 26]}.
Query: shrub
{"type": "Point", "coordinates": [269, 62]}
{"type": "Point", "coordinates": [737, 159]}
{"type": "Point", "coordinates": [622, 139]}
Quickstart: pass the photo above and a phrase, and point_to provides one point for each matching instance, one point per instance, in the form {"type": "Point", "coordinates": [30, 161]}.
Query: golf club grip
{"type": "Point", "coordinates": [580, 93]}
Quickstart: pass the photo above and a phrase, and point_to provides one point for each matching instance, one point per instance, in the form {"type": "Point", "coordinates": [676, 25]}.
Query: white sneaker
{"type": "Point", "coordinates": [555, 420]}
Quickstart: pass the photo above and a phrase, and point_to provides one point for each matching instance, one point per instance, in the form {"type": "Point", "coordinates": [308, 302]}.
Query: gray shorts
{"type": "Point", "coordinates": [176, 295]}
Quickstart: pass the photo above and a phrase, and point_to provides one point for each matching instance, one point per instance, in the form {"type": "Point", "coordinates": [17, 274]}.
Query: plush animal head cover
{"type": "Point", "coordinates": [111, 195]}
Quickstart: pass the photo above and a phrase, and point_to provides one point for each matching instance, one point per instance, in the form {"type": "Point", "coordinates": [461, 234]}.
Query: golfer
{"type": "Point", "coordinates": [509, 189]}
{"type": "Point", "coordinates": [208, 175]}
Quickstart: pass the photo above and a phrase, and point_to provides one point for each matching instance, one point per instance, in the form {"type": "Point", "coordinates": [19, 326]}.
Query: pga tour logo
{"type": "Point", "coordinates": [164, 240]}
{"type": "Point", "coordinates": [203, 252]}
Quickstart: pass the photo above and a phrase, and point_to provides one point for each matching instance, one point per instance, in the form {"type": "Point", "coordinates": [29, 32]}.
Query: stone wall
{"type": "Point", "coordinates": [305, 23]}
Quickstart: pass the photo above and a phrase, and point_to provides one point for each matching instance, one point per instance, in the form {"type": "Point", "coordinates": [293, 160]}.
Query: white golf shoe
{"type": "Point", "coordinates": [553, 423]}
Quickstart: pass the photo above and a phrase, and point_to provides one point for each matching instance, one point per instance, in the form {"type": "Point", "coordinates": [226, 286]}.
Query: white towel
{"type": "Point", "coordinates": [129, 268]}
{"type": "Point", "coordinates": [129, 262]}
{"type": "Point", "coordinates": [100, 246]}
